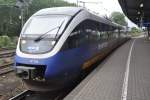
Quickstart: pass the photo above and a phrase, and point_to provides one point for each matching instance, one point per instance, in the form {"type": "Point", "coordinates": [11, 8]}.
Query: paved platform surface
{"type": "Point", "coordinates": [106, 81]}
{"type": "Point", "coordinates": [139, 77]}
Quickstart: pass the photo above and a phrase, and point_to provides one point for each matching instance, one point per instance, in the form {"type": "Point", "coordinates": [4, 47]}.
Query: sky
{"type": "Point", "coordinates": [103, 7]}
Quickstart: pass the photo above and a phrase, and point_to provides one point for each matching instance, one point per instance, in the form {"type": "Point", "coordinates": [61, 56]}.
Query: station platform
{"type": "Point", "coordinates": [124, 75]}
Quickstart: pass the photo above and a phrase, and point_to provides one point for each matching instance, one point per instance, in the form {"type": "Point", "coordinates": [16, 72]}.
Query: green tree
{"type": "Point", "coordinates": [119, 18]}
{"type": "Point", "coordinates": [11, 24]}
{"type": "Point", "coordinates": [135, 31]}
{"type": "Point", "coordinates": [7, 2]}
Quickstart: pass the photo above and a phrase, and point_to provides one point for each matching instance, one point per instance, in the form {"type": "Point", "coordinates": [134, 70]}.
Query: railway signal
{"type": "Point", "coordinates": [84, 5]}
{"type": "Point", "coordinates": [22, 4]}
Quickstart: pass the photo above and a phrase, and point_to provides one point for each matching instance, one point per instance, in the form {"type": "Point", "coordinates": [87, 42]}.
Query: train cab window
{"type": "Point", "coordinates": [73, 40]}
{"type": "Point", "coordinates": [78, 37]}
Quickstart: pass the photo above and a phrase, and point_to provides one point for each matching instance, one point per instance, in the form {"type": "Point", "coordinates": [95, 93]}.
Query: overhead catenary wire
{"type": "Point", "coordinates": [99, 3]}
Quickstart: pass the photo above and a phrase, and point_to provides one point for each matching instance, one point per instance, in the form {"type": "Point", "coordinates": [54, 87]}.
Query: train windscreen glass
{"type": "Point", "coordinates": [41, 24]}
{"type": "Point", "coordinates": [41, 32]}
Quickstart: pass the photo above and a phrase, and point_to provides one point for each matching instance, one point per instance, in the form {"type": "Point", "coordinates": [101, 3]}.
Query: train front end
{"type": "Point", "coordinates": [37, 56]}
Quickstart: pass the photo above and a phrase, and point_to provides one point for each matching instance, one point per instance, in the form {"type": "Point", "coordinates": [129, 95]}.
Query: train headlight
{"type": "Point", "coordinates": [23, 42]}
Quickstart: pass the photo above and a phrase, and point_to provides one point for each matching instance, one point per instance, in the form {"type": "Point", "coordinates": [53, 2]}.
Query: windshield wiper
{"type": "Point", "coordinates": [59, 28]}
{"type": "Point", "coordinates": [43, 35]}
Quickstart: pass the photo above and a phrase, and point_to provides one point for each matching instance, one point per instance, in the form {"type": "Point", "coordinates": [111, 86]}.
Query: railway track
{"type": "Point", "coordinates": [5, 68]}
{"type": "Point", "coordinates": [31, 95]}
{"type": "Point", "coordinates": [7, 53]}
{"type": "Point", "coordinates": [6, 65]}
{"type": "Point", "coordinates": [3, 49]}
{"type": "Point", "coordinates": [22, 95]}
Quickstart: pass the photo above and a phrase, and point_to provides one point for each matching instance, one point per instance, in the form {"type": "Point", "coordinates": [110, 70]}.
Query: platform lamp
{"type": "Point", "coordinates": [142, 14]}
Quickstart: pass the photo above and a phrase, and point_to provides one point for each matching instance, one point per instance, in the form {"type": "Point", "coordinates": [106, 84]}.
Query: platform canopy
{"type": "Point", "coordinates": [137, 11]}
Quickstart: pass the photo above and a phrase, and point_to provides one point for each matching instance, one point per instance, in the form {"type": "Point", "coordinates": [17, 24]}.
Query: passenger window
{"type": "Point", "coordinates": [86, 32]}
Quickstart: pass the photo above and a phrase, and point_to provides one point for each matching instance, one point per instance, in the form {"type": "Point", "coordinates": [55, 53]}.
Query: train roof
{"type": "Point", "coordinates": [70, 11]}
{"type": "Point", "coordinates": [59, 10]}
{"type": "Point", "coordinates": [106, 21]}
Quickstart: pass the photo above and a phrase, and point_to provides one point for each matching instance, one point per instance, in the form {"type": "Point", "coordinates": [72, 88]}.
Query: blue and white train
{"type": "Point", "coordinates": [57, 44]}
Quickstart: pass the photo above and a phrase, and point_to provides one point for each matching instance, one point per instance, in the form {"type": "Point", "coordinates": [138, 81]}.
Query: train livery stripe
{"type": "Point", "coordinates": [94, 59]}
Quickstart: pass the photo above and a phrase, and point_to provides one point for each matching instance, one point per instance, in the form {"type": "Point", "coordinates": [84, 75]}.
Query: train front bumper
{"type": "Point", "coordinates": [30, 73]}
